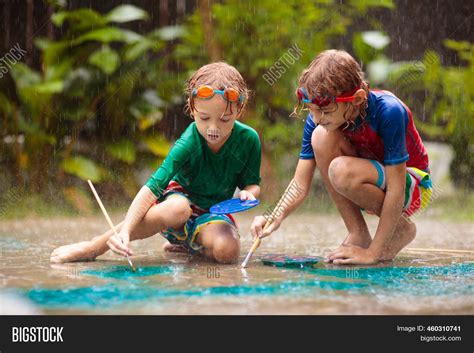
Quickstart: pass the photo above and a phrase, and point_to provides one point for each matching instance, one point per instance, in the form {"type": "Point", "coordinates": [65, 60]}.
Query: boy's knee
{"type": "Point", "coordinates": [341, 174]}
{"type": "Point", "coordinates": [226, 248]}
{"type": "Point", "coordinates": [324, 142]}
{"type": "Point", "coordinates": [179, 208]}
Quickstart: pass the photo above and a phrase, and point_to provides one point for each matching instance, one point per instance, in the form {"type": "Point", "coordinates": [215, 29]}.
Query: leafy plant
{"type": "Point", "coordinates": [96, 99]}
{"type": "Point", "coordinates": [253, 36]}
{"type": "Point", "coordinates": [447, 93]}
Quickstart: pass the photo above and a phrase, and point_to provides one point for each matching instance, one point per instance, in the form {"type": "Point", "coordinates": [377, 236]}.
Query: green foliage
{"type": "Point", "coordinates": [158, 146]}
{"type": "Point", "coordinates": [448, 103]}
{"type": "Point", "coordinates": [105, 59]}
{"type": "Point", "coordinates": [253, 36]}
{"type": "Point", "coordinates": [124, 151]}
{"type": "Point", "coordinates": [126, 13]}
{"type": "Point", "coordinates": [92, 111]}
{"type": "Point", "coordinates": [95, 71]}
{"type": "Point", "coordinates": [83, 168]}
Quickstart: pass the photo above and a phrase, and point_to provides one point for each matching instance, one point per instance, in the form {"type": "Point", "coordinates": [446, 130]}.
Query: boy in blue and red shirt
{"type": "Point", "coordinates": [370, 156]}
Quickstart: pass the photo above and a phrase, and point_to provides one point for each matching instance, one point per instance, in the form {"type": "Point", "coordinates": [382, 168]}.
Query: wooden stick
{"type": "Point", "coordinates": [442, 250]}
{"type": "Point", "coordinates": [254, 247]}
{"type": "Point", "coordinates": [258, 241]}
{"type": "Point", "coordinates": [106, 215]}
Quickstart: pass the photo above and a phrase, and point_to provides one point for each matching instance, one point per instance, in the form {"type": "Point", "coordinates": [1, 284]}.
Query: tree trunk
{"type": "Point", "coordinates": [212, 46]}
{"type": "Point", "coordinates": [270, 188]}
{"type": "Point", "coordinates": [181, 8]}
{"type": "Point", "coordinates": [18, 149]}
{"type": "Point", "coordinates": [6, 19]}
{"type": "Point", "coordinates": [50, 28]}
{"type": "Point", "coordinates": [164, 13]}
{"type": "Point", "coordinates": [29, 31]}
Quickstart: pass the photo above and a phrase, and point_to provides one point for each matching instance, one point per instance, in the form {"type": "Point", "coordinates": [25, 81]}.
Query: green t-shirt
{"type": "Point", "coordinates": [210, 177]}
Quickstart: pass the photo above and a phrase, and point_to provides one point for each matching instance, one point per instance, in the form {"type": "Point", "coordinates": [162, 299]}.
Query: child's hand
{"type": "Point", "coordinates": [246, 195]}
{"type": "Point", "coordinates": [259, 223]}
{"type": "Point", "coordinates": [119, 244]}
{"type": "Point", "coordinates": [352, 255]}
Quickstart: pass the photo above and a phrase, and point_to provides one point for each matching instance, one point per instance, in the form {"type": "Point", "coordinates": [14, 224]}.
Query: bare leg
{"type": "Point", "coordinates": [402, 236]}
{"type": "Point", "coordinates": [328, 146]}
{"type": "Point", "coordinates": [85, 250]}
{"type": "Point", "coordinates": [220, 241]}
{"type": "Point", "coordinates": [178, 248]}
{"type": "Point", "coordinates": [173, 212]}
{"type": "Point", "coordinates": [356, 179]}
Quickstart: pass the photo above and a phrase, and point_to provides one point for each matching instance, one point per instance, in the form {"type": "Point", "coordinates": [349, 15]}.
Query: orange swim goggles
{"type": "Point", "coordinates": [207, 92]}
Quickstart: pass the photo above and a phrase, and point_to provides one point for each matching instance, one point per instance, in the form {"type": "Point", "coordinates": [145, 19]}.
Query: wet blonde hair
{"type": "Point", "coordinates": [218, 75]}
{"type": "Point", "coordinates": [332, 73]}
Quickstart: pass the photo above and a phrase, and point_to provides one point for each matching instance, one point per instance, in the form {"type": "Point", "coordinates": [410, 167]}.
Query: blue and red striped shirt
{"type": "Point", "coordinates": [387, 133]}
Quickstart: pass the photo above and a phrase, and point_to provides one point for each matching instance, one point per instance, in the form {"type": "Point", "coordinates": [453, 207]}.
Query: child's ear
{"type": "Point", "coordinates": [239, 115]}
{"type": "Point", "coordinates": [360, 97]}
{"type": "Point", "coordinates": [241, 111]}
{"type": "Point", "coordinates": [191, 113]}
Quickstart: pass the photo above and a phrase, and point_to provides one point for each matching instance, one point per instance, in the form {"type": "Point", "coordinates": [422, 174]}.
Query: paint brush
{"type": "Point", "coordinates": [270, 219]}
{"type": "Point", "coordinates": [254, 247]}
{"type": "Point", "coordinates": [106, 215]}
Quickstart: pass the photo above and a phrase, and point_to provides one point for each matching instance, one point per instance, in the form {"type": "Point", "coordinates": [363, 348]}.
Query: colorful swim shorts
{"type": "Point", "coordinates": [418, 188]}
{"type": "Point", "coordinates": [199, 218]}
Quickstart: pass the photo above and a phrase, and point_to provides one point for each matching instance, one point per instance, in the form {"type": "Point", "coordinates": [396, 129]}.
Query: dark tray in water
{"type": "Point", "coordinates": [290, 261]}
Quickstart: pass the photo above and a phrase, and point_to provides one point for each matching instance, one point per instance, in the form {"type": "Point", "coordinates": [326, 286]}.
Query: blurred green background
{"type": "Point", "coordinates": [93, 90]}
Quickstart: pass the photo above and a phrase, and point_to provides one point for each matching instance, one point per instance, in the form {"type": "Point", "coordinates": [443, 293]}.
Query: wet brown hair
{"type": "Point", "coordinates": [218, 75]}
{"type": "Point", "coordinates": [332, 73]}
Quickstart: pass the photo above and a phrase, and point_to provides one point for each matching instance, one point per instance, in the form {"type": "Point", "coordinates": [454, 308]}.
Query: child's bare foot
{"type": "Point", "coordinates": [83, 251]}
{"type": "Point", "coordinates": [363, 240]}
{"type": "Point", "coordinates": [174, 248]}
{"type": "Point", "coordinates": [403, 235]}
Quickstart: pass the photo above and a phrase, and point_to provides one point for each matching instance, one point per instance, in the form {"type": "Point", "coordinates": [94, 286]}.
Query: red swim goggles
{"type": "Point", "coordinates": [322, 101]}
{"type": "Point", "coordinates": [207, 92]}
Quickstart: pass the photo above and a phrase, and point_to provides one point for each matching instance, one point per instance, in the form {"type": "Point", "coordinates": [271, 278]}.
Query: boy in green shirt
{"type": "Point", "coordinates": [212, 157]}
